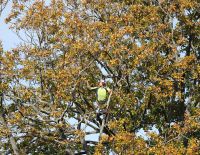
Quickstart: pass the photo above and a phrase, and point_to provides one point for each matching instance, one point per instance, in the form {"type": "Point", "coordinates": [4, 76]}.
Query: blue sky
{"type": "Point", "coordinates": [7, 36]}
{"type": "Point", "coordinates": [10, 40]}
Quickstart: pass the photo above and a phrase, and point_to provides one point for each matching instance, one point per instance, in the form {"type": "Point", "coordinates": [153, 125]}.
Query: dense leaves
{"type": "Point", "coordinates": [148, 51]}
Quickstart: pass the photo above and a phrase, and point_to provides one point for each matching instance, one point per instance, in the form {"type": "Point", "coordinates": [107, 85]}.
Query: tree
{"type": "Point", "coordinates": [147, 50]}
{"type": "Point", "coordinates": [3, 3]}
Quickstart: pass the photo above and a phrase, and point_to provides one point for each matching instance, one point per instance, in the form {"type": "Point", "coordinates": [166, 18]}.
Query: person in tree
{"type": "Point", "coordinates": [102, 93]}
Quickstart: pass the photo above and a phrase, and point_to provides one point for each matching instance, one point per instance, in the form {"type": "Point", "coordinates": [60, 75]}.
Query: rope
{"type": "Point", "coordinates": [105, 119]}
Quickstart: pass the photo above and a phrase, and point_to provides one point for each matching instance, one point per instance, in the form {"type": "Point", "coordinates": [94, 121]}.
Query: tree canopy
{"type": "Point", "coordinates": [148, 51]}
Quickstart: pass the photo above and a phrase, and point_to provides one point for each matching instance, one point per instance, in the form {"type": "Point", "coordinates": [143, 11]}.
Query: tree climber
{"type": "Point", "coordinates": [102, 94]}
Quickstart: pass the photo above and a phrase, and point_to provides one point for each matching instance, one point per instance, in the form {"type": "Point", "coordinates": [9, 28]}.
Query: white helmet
{"type": "Point", "coordinates": [103, 81]}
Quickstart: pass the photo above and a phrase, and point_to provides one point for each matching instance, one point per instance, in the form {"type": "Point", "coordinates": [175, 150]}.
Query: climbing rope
{"type": "Point", "coordinates": [105, 117]}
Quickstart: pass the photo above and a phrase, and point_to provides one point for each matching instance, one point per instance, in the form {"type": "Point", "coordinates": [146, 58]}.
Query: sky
{"type": "Point", "coordinates": [10, 40]}
{"type": "Point", "coordinates": [7, 36]}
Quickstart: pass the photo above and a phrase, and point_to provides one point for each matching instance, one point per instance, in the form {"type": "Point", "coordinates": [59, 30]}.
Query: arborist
{"type": "Point", "coordinates": [102, 93]}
